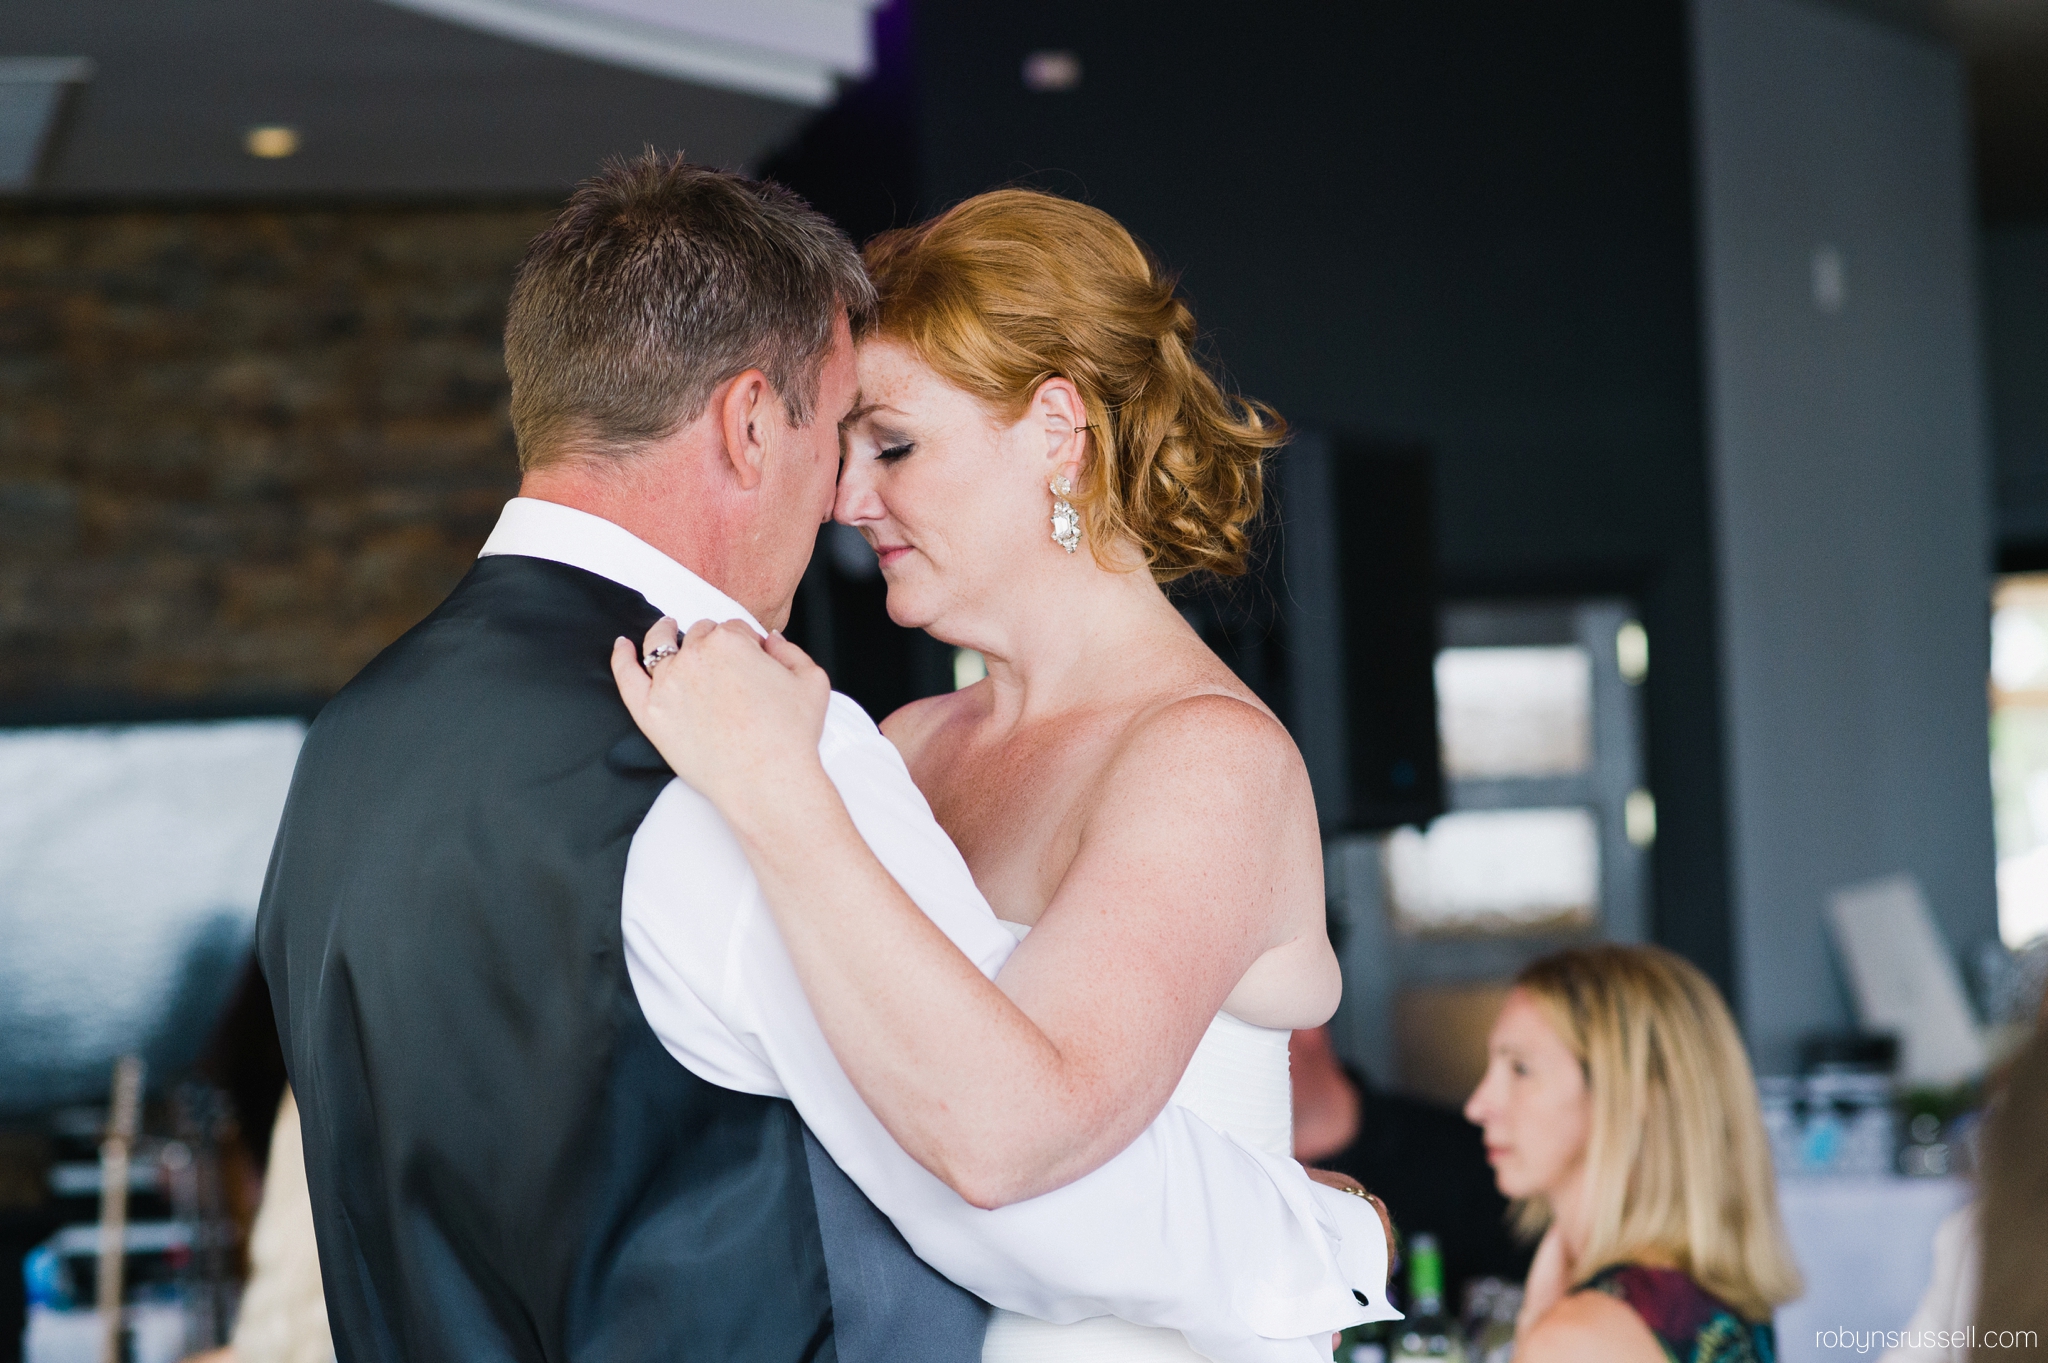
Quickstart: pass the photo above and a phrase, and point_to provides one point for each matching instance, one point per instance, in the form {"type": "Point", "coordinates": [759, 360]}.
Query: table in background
{"type": "Point", "coordinates": [1866, 1246]}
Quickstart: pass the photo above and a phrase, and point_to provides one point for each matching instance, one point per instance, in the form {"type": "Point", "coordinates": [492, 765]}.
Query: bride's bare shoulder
{"type": "Point", "coordinates": [1208, 735]}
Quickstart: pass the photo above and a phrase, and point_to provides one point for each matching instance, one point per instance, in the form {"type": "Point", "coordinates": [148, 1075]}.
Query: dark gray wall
{"type": "Point", "coordinates": [2015, 282]}
{"type": "Point", "coordinates": [1465, 222]}
{"type": "Point", "coordinates": [1851, 486]}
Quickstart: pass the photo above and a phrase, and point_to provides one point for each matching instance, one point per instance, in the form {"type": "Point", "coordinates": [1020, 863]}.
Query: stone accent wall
{"type": "Point", "coordinates": [241, 450]}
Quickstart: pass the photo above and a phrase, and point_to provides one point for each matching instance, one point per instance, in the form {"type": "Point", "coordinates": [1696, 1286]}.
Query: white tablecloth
{"type": "Point", "coordinates": [1866, 1246]}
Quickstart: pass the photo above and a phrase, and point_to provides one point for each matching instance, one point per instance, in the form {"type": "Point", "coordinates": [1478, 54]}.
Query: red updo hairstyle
{"type": "Point", "coordinates": [1014, 287]}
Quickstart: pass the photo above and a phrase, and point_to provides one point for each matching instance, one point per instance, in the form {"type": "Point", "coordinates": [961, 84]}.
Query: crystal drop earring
{"type": "Point", "coordinates": [1066, 522]}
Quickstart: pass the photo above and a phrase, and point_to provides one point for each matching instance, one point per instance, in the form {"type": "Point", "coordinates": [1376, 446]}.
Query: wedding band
{"type": "Point", "coordinates": [655, 655]}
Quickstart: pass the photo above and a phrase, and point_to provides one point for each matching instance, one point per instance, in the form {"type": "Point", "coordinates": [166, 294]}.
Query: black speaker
{"type": "Point", "coordinates": [1359, 531]}
{"type": "Point", "coordinates": [1335, 626]}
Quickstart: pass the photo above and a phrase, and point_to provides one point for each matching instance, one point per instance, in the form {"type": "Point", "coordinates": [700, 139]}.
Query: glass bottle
{"type": "Point", "coordinates": [1494, 1341]}
{"type": "Point", "coordinates": [1429, 1332]}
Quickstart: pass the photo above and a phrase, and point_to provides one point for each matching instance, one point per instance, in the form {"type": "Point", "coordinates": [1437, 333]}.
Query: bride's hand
{"type": "Point", "coordinates": [735, 715]}
{"type": "Point", "coordinates": [1331, 1178]}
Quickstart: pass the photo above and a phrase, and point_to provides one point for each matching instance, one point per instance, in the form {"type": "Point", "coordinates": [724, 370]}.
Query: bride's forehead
{"type": "Point", "coordinates": [886, 360]}
{"type": "Point", "coordinates": [895, 379]}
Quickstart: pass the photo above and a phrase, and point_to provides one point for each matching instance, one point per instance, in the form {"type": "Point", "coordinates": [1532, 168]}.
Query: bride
{"type": "Point", "coordinates": [1035, 451]}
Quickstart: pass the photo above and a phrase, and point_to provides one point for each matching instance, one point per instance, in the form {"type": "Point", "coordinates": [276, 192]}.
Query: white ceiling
{"type": "Point", "coordinates": [785, 49]}
{"type": "Point", "coordinates": [392, 102]}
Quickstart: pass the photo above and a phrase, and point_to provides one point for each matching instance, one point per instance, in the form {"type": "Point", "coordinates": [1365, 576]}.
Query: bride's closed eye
{"type": "Point", "coordinates": [889, 454]}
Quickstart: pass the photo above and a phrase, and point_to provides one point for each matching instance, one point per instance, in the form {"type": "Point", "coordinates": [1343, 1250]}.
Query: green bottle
{"type": "Point", "coordinates": [1429, 1331]}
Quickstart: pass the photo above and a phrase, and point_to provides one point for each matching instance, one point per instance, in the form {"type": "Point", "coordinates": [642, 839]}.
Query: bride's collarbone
{"type": "Point", "coordinates": [1067, 748]}
{"type": "Point", "coordinates": [1053, 762]}
{"type": "Point", "coordinates": [1030, 786]}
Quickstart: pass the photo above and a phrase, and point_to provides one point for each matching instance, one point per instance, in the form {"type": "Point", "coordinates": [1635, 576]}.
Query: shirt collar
{"type": "Point", "coordinates": [531, 528]}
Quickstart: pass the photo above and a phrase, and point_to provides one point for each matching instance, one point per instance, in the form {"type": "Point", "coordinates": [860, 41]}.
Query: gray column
{"type": "Point", "coordinates": [1850, 485]}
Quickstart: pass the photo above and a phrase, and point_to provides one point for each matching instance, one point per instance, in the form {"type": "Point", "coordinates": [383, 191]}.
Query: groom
{"type": "Point", "coordinates": [554, 1109]}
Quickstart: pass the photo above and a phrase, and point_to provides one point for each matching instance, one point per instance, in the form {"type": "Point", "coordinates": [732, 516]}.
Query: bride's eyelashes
{"type": "Point", "coordinates": [889, 454]}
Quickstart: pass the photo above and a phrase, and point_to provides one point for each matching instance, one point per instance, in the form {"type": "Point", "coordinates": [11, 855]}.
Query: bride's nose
{"type": "Point", "coordinates": [857, 500]}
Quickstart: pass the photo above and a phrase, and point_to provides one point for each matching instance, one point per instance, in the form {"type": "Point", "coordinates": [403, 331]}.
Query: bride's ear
{"type": "Point", "coordinates": [1057, 408]}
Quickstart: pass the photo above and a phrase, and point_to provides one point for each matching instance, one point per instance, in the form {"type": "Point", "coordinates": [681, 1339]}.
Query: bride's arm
{"type": "Point", "coordinates": [1186, 1229]}
{"type": "Point", "coordinates": [1004, 1092]}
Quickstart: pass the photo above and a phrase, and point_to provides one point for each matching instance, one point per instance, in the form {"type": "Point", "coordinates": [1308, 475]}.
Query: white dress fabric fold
{"type": "Point", "coordinates": [1237, 1082]}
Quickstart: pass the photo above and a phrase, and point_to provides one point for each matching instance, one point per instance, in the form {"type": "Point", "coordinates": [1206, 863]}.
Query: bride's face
{"type": "Point", "coordinates": [953, 498]}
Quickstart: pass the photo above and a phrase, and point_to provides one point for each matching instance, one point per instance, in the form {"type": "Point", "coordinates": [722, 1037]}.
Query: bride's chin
{"type": "Point", "coordinates": [904, 609]}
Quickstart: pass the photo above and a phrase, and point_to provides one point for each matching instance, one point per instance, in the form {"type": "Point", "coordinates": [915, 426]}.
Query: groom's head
{"type": "Point", "coordinates": [680, 347]}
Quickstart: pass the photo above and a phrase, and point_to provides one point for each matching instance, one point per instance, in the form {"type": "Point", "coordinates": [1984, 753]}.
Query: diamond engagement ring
{"type": "Point", "coordinates": [654, 656]}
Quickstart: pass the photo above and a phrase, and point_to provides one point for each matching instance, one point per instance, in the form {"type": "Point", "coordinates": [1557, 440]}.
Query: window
{"type": "Point", "coordinates": [1515, 711]}
{"type": "Point", "coordinates": [1545, 842]}
{"type": "Point", "coordinates": [1542, 768]}
{"type": "Point", "coordinates": [1497, 870]}
{"type": "Point", "coordinates": [2019, 754]}
{"type": "Point", "coordinates": [131, 859]}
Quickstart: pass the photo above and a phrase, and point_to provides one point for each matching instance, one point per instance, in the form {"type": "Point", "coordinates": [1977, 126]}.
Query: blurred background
{"type": "Point", "coordinates": [1663, 555]}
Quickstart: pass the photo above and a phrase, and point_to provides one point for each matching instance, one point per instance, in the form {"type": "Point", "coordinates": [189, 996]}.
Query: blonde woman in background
{"type": "Point", "coordinates": [1621, 1116]}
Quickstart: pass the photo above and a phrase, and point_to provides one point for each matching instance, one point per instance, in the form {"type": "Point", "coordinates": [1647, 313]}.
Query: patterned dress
{"type": "Point", "coordinates": [1693, 1326]}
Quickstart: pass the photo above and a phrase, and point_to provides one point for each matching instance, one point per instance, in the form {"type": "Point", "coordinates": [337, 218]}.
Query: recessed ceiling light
{"type": "Point", "coordinates": [1052, 71]}
{"type": "Point", "coordinates": [271, 141]}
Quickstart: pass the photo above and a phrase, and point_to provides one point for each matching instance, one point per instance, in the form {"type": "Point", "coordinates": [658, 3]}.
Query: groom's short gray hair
{"type": "Point", "coordinates": [658, 282]}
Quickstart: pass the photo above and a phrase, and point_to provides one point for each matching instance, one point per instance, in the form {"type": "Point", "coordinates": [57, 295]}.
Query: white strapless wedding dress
{"type": "Point", "coordinates": [1236, 1082]}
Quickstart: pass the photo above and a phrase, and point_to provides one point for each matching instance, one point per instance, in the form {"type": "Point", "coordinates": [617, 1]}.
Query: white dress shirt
{"type": "Point", "coordinates": [1187, 1229]}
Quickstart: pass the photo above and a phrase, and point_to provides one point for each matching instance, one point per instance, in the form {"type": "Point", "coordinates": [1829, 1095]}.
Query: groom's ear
{"type": "Point", "coordinates": [744, 405]}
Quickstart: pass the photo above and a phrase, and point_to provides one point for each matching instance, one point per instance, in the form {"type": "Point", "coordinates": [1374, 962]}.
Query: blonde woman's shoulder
{"type": "Point", "coordinates": [1589, 1327]}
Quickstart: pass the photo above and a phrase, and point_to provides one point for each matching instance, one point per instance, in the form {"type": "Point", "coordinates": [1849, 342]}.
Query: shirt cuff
{"type": "Point", "coordinates": [1358, 1244]}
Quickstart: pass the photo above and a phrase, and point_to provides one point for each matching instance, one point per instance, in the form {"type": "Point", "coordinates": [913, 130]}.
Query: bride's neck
{"type": "Point", "coordinates": [1078, 647]}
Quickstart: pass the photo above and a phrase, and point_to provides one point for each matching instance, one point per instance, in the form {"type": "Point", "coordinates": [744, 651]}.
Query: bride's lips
{"type": "Point", "coordinates": [887, 554]}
